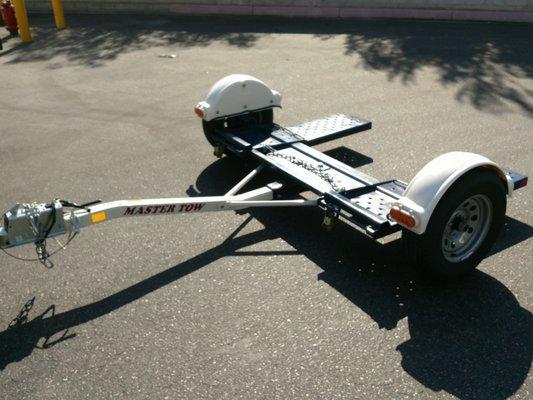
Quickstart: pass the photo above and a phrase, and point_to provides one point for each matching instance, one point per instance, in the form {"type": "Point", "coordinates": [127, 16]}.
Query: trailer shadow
{"type": "Point", "coordinates": [349, 157]}
{"type": "Point", "coordinates": [471, 339]}
{"type": "Point", "coordinates": [513, 232]}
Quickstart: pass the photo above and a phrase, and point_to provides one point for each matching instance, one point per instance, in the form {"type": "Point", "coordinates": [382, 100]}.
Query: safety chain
{"type": "Point", "coordinates": [43, 256]}
{"type": "Point", "coordinates": [288, 132]}
{"type": "Point", "coordinates": [320, 170]}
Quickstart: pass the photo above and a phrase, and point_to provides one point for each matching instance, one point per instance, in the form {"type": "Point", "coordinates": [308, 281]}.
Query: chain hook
{"type": "Point", "coordinates": [43, 255]}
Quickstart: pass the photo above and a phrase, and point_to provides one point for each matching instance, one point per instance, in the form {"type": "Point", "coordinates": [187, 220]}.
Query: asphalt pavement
{"type": "Point", "coordinates": [263, 303]}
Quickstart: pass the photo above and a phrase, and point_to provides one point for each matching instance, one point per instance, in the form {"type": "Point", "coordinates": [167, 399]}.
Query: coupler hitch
{"type": "Point", "coordinates": [32, 223]}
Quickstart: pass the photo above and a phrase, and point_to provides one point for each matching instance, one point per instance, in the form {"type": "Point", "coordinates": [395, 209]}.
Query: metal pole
{"type": "Point", "coordinates": [57, 6]}
{"type": "Point", "coordinates": [245, 180]}
{"type": "Point", "coordinates": [22, 20]}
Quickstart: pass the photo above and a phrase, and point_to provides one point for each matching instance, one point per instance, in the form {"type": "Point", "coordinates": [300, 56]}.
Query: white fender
{"type": "Point", "coordinates": [236, 94]}
{"type": "Point", "coordinates": [429, 185]}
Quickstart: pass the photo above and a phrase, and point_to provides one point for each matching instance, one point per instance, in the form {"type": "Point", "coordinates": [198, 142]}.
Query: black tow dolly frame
{"type": "Point", "coordinates": [358, 198]}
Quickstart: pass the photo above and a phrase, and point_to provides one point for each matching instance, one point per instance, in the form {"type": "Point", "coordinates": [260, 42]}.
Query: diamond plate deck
{"type": "Point", "coordinates": [329, 128]}
{"type": "Point", "coordinates": [313, 132]}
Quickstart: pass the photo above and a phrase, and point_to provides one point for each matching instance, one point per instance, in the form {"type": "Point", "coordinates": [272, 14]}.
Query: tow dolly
{"type": "Point", "coordinates": [450, 213]}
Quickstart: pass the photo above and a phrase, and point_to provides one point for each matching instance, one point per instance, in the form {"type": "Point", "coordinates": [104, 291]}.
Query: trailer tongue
{"type": "Point", "coordinates": [237, 119]}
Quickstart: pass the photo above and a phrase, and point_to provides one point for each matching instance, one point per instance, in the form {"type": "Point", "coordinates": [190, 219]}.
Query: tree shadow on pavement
{"type": "Point", "coordinates": [471, 339]}
{"type": "Point", "coordinates": [95, 41]}
{"type": "Point", "coordinates": [487, 62]}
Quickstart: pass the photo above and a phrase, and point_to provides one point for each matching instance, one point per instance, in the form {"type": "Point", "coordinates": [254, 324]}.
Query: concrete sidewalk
{"type": "Point", "coordinates": [260, 304]}
{"type": "Point", "coordinates": [469, 10]}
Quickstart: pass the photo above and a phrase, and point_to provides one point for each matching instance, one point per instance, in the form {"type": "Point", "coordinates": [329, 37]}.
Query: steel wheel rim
{"type": "Point", "coordinates": [467, 228]}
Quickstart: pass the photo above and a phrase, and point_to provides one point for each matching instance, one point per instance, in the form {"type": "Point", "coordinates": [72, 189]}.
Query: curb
{"type": "Point", "coordinates": [351, 12]}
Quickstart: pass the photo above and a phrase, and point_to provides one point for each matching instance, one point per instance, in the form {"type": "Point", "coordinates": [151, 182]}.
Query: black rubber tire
{"type": "Point", "coordinates": [235, 123]}
{"type": "Point", "coordinates": [425, 251]}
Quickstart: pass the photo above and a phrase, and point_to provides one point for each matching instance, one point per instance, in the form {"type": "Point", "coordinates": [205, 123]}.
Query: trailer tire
{"type": "Point", "coordinates": [462, 228]}
{"type": "Point", "coordinates": [237, 122]}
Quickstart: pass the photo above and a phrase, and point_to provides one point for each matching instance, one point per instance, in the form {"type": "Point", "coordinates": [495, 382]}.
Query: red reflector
{"type": "Point", "coordinates": [402, 217]}
{"type": "Point", "coordinates": [198, 111]}
{"type": "Point", "coordinates": [520, 184]}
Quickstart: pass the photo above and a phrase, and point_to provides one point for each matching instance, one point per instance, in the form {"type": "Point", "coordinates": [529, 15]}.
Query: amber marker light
{"type": "Point", "coordinates": [402, 217]}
